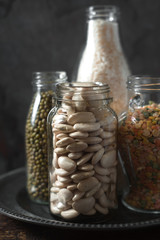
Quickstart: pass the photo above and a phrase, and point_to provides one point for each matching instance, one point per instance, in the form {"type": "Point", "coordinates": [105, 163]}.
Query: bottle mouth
{"type": "Point", "coordinates": [82, 91]}
{"type": "Point", "coordinates": [109, 12]}
{"type": "Point", "coordinates": [143, 83]}
{"type": "Point", "coordinates": [48, 77]}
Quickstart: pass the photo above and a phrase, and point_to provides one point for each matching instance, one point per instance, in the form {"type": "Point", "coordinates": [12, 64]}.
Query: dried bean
{"type": "Point", "coordinates": [60, 184]}
{"type": "Point", "coordinates": [84, 205]}
{"type": "Point", "coordinates": [108, 141]}
{"type": "Point", "coordinates": [53, 197]}
{"type": "Point", "coordinates": [78, 134]}
{"type": "Point", "coordinates": [91, 212]}
{"type": "Point", "coordinates": [64, 128]}
{"type": "Point", "coordinates": [75, 156]}
{"type": "Point", "coordinates": [66, 163]}
{"type": "Point", "coordinates": [101, 170]}
{"type": "Point", "coordinates": [79, 102]}
{"type": "Point", "coordinates": [96, 133]}
{"type": "Point", "coordinates": [87, 184]}
{"type": "Point", "coordinates": [77, 147]}
{"type": "Point", "coordinates": [106, 186]}
{"type": "Point", "coordinates": [85, 167]}
{"type": "Point", "coordinates": [78, 176]}
{"type": "Point", "coordinates": [62, 206]}
{"type": "Point", "coordinates": [98, 194]}
{"type": "Point", "coordinates": [63, 179]}
{"type": "Point", "coordinates": [54, 189]}
{"type": "Point", "coordinates": [77, 195]}
{"type": "Point", "coordinates": [54, 208]}
{"type": "Point", "coordinates": [64, 142]}
{"type": "Point", "coordinates": [61, 172]}
{"type": "Point", "coordinates": [106, 134]}
{"type": "Point", "coordinates": [59, 119]}
{"type": "Point", "coordinates": [60, 151]}
{"type": "Point", "coordinates": [55, 160]}
{"type": "Point", "coordinates": [61, 135]}
{"type": "Point", "coordinates": [101, 209]}
{"type": "Point", "coordinates": [69, 214]}
{"type": "Point", "coordinates": [92, 140]}
{"type": "Point", "coordinates": [69, 109]}
{"type": "Point", "coordinates": [81, 117]}
{"type": "Point", "coordinates": [64, 195]}
{"type": "Point", "coordinates": [93, 148]}
{"type": "Point", "coordinates": [103, 200]}
{"type": "Point", "coordinates": [85, 158]}
{"type": "Point", "coordinates": [86, 127]}
{"type": "Point", "coordinates": [97, 156]}
{"type": "Point", "coordinates": [93, 191]}
{"type": "Point", "coordinates": [72, 187]}
{"type": "Point", "coordinates": [109, 159]}
{"type": "Point", "coordinates": [102, 178]}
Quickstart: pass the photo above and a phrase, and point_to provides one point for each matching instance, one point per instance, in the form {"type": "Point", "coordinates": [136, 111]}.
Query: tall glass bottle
{"type": "Point", "coordinates": [103, 59]}
{"type": "Point", "coordinates": [44, 84]}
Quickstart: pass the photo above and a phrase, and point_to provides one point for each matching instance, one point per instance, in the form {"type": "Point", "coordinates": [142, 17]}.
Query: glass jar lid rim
{"type": "Point", "coordinates": [99, 90]}
{"type": "Point", "coordinates": [143, 81]}
{"type": "Point", "coordinates": [111, 12]}
{"type": "Point", "coordinates": [85, 85]}
{"type": "Point", "coordinates": [103, 8]}
{"type": "Point", "coordinates": [48, 77]}
{"type": "Point", "coordinates": [37, 75]}
{"type": "Point", "coordinates": [144, 77]}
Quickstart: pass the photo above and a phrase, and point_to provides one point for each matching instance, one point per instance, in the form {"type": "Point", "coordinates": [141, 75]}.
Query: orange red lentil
{"type": "Point", "coordinates": [139, 146]}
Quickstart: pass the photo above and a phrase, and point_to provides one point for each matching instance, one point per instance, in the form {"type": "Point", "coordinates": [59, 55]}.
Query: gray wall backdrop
{"type": "Point", "coordinates": [45, 35]}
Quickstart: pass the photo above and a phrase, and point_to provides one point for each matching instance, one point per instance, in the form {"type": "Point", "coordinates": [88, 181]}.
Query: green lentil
{"type": "Point", "coordinates": [36, 147]}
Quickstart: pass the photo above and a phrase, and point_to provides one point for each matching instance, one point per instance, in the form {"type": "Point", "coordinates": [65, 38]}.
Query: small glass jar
{"type": "Point", "coordinates": [36, 133]}
{"type": "Point", "coordinates": [82, 153]}
{"type": "Point", "coordinates": [139, 144]}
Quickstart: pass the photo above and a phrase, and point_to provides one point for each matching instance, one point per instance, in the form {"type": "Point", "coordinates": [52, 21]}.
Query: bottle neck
{"type": "Point", "coordinates": [48, 80]}
{"type": "Point", "coordinates": [106, 12]}
{"type": "Point", "coordinates": [103, 27]}
{"type": "Point", "coordinates": [99, 31]}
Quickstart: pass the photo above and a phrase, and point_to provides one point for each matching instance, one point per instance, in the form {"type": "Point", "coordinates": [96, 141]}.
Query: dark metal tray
{"type": "Point", "coordinates": [15, 203]}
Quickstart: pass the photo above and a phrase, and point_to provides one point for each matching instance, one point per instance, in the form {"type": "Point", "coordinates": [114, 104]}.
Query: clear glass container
{"type": "Point", "coordinates": [36, 133]}
{"type": "Point", "coordinates": [139, 144]}
{"type": "Point", "coordinates": [82, 131]}
{"type": "Point", "coordinates": [103, 58]}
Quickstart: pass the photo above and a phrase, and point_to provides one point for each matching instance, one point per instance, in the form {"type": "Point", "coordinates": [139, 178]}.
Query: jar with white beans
{"type": "Point", "coordinates": [82, 132]}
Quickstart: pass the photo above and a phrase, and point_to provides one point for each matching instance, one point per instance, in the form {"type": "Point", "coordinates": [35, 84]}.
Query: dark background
{"type": "Point", "coordinates": [45, 35]}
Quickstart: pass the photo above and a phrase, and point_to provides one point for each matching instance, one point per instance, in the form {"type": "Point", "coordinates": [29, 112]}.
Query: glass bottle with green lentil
{"type": "Point", "coordinates": [44, 84]}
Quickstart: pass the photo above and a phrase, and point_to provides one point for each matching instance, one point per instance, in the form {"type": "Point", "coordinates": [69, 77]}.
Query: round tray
{"type": "Point", "coordinates": [15, 203]}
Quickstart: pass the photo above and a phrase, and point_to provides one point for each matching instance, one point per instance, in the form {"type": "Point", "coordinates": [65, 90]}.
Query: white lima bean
{"type": "Point", "coordinates": [81, 117]}
{"type": "Point", "coordinates": [84, 174]}
{"type": "Point", "coordinates": [66, 163]}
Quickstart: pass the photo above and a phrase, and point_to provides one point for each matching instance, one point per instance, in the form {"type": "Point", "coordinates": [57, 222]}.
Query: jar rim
{"type": "Point", "coordinates": [99, 90]}
{"type": "Point", "coordinates": [143, 82]}
{"type": "Point", "coordinates": [48, 77]}
{"type": "Point", "coordinates": [86, 85]}
{"type": "Point", "coordinates": [110, 12]}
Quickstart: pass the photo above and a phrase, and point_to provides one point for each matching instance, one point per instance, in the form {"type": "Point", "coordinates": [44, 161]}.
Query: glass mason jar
{"type": "Point", "coordinates": [82, 152]}
{"type": "Point", "coordinates": [139, 144]}
{"type": "Point", "coordinates": [103, 59]}
{"type": "Point", "coordinates": [36, 133]}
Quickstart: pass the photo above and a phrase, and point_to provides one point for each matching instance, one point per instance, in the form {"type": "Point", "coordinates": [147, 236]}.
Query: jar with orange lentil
{"type": "Point", "coordinates": [139, 144]}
